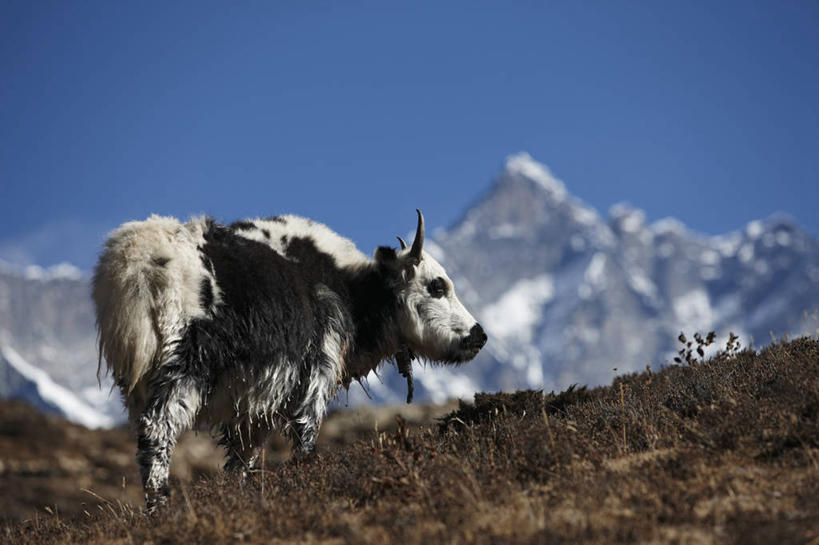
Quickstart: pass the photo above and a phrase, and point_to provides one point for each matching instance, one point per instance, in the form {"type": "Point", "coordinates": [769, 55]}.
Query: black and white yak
{"type": "Point", "coordinates": [254, 326]}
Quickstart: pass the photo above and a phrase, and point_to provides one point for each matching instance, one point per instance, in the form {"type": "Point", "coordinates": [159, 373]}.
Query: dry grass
{"type": "Point", "coordinates": [722, 451]}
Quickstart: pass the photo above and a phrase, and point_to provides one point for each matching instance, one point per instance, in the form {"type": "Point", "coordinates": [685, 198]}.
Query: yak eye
{"type": "Point", "coordinates": [438, 287]}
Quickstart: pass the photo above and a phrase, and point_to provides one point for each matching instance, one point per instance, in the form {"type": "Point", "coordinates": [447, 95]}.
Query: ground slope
{"type": "Point", "coordinates": [725, 451]}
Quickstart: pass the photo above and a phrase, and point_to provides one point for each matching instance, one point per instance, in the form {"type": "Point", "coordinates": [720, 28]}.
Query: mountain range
{"type": "Point", "coordinates": [566, 295]}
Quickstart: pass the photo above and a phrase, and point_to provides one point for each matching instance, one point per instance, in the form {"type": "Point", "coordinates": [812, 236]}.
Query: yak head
{"type": "Point", "coordinates": [432, 322]}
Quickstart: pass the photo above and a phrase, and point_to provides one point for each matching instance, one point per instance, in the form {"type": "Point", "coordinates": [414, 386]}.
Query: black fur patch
{"type": "Point", "coordinates": [437, 287]}
{"type": "Point", "coordinates": [206, 294]}
{"type": "Point", "coordinates": [277, 219]}
{"type": "Point", "coordinates": [303, 249]}
{"type": "Point", "coordinates": [266, 234]}
{"type": "Point", "coordinates": [268, 314]}
{"type": "Point", "coordinates": [242, 226]}
{"type": "Point", "coordinates": [385, 254]}
{"type": "Point", "coordinates": [366, 295]}
{"type": "Point", "coordinates": [375, 306]}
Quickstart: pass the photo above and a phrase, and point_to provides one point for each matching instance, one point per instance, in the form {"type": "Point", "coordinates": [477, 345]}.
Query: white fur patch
{"type": "Point", "coordinates": [328, 241]}
{"type": "Point", "coordinates": [146, 288]}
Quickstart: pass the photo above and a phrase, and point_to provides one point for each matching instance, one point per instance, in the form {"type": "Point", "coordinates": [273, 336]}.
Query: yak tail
{"type": "Point", "coordinates": [145, 288]}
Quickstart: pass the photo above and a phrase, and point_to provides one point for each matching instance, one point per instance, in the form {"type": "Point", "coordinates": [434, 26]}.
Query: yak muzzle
{"type": "Point", "coordinates": [475, 340]}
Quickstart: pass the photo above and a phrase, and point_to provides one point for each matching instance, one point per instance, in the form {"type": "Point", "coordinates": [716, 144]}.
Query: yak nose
{"type": "Point", "coordinates": [476, 339]}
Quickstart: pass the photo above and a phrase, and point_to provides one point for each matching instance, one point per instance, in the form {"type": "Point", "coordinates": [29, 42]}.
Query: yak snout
{"type": "Point", "coordinates": [475, 340]}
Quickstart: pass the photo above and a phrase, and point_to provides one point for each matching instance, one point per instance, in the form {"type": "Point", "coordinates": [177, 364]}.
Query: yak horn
{"type": "Point", "coordinates": [403, 244]}
{"type": "Point", "coordinates": [418, 243]}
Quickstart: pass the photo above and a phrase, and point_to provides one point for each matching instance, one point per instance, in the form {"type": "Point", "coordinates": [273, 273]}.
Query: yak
{"type": "Point", "coordinates": [254, 326]}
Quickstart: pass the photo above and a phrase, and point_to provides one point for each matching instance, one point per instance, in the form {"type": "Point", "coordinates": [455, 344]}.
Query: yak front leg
{"type": "Point", "coordinates": [321, 384]}
{"type": "Point", "coordinates": [244, 444]}
{"type": "Point", "coordinates": [303, 435]}
{"type": "Point", "coordinates": [171, 409]}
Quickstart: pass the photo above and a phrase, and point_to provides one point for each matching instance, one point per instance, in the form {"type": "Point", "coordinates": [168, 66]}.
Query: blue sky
{"type": "Point", "coordinates": [356, 113]}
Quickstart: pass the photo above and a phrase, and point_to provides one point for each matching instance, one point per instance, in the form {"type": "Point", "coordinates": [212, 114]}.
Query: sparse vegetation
{"type": "Point", "coordinates": [720, 450]}
{"type": "Point", "coordinates": [688, 351]}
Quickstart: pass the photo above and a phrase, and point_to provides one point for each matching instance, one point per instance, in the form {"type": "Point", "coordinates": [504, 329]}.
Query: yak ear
{"type": "Point", "coordinates": [389, 263]}
{"type": "Point", "coordinates": [386, 257]}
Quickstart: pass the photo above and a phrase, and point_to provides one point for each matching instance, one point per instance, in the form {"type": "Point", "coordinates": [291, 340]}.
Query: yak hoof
{"type": "Point", "coordinates": [156, 500]}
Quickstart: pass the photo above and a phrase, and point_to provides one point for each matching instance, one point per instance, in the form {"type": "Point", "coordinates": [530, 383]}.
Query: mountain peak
{"type": "Point", "coordinates": [774, 223]}
{"type": "Point", "coordinates": [522, 165]}
{"type": "Point", "coordinates": [626, 218]}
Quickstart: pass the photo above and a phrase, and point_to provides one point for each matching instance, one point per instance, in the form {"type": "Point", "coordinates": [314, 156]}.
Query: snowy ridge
{"type": "Point", "coordinates": [64, 402]}
{"type": "Point", "coordinates": [521, 164]}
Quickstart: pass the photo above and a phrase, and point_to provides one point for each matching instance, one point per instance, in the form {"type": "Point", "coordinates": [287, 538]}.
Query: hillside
{"type": "Point", "coordinates": [721, 451]}
{"type": "Point", "coordinates": [47, 462]}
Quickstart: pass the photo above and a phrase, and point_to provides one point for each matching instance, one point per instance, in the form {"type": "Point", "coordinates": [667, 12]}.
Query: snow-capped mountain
{"type": "Point", "coordinates": [47, 345]}
{"type": "Point", "coordinates": [21, 380]}
{"type": "Point", "coordinates": [565, 294]}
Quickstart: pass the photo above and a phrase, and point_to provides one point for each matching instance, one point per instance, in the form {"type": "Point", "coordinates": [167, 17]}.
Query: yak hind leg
{"type": "Point", "coordinates": [176, 397]}
{"type": "Point", "coordinates": [243, 445]}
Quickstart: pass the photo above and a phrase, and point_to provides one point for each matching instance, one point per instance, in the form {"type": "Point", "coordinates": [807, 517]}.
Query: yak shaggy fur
{"type": "Point", "coordinates": [253, 326]}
